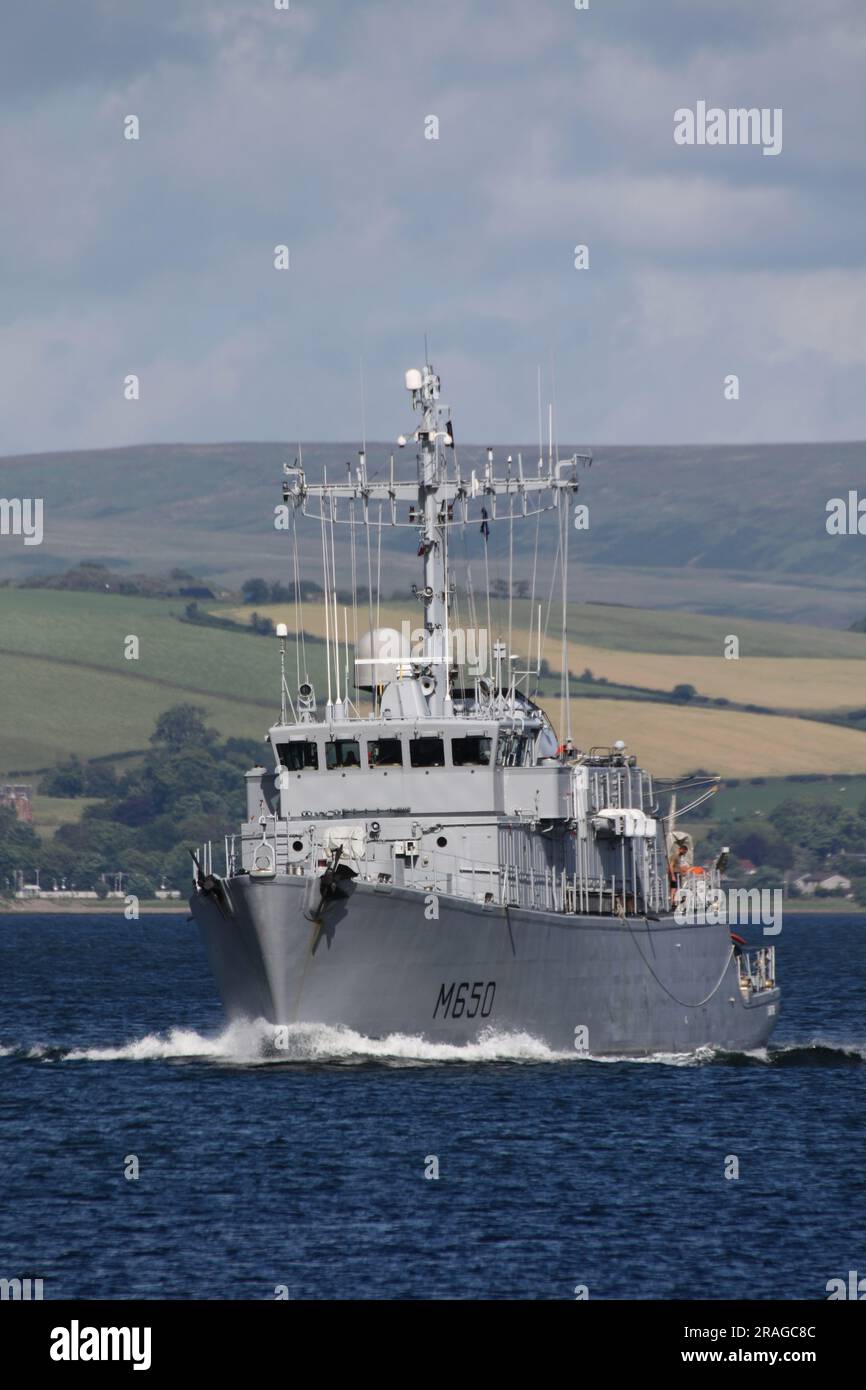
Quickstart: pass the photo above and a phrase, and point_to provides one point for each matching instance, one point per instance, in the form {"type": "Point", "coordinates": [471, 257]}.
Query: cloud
{"type": "Point", "coordinates": [307, 127]}
{"type": "Point", "coordinates": [651, 216]}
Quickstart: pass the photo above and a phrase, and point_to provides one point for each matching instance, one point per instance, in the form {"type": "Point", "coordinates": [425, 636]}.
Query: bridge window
{"type": "Point", "coordinates": [342, 753]}
{"type": "Point", "coordinates": [385, 752]}
{"type": "Point", "coordinates": [511, 750]}
{"type": "Point", "coordinates": [471, 752]}
{"type": "Point", "coordinates": [427, 752]}
{"type": "Point", "coordinates": [299, 756]}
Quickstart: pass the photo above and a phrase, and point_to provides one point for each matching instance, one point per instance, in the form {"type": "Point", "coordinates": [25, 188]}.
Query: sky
{"type": "Point", "coordinates": [306, 127]}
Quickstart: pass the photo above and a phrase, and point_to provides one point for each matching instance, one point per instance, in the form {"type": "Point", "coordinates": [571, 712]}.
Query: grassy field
{"type": "Point", "coordinates": [616, 628]}
{"type": "Point", "coordinates": [670, 740]}
{"type": "Point", "coordinates": [53, 709]}
{"type": "Point", "coordinates": [789, 683]}
{"type": "Point", "coordinates": [65, 686]}
{"type": "Point", "coordinates": [748, 799]}
{"type": "Point", "coordinates": [719, 529]}
{"type": "Point", "coordinates": [89, 630]}
{"type": "Point", "coordinates": [780, 666]}
{"type": "Point", "coordinates": [50, 812]}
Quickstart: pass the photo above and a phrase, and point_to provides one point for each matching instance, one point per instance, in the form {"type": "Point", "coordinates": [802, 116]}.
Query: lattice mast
{"type": "Point", "coordinates": [439, 497]}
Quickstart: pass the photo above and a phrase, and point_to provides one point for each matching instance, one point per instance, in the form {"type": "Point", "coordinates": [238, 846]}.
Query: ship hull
{"type": "Point", "coordinates": [379, 961]}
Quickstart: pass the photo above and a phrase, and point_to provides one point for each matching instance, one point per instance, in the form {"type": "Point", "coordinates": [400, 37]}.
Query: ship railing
{"type": "Point", "coordinates": [698, 894]}
{"type": "Point", "coordinates": [545, 888]}
{"type": "Point", "coordinates": [757, 967]}
{"type": "Point", "coordinates": [230, 859]}
{"type": "Point", "coordinates": [205, 859]}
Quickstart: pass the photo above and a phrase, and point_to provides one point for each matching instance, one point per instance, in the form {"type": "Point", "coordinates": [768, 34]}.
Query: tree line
{"type": "Point", "coordinates": [188, 787]}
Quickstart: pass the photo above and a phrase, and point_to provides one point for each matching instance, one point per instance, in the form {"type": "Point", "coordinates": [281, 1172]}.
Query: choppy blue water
{"type": "Point", "coordinates": [258, 1171]}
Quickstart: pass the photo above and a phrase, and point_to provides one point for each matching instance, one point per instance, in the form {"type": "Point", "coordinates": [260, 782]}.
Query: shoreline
{"type": "Point", "coordinates": [793, 907]}
{"type": "Point", "coordinates": [86, 907]}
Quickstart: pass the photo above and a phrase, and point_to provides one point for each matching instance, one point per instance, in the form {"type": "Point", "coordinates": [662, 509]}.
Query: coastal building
{"type": "Point", "coordinates": [20, 798]}
{"type": "Point", "coordinates": [808, 884]}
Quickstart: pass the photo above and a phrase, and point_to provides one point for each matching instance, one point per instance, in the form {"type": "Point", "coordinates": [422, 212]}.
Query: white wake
{"type": "Point", "coordinates": [247, 1043]}
{"type": "Point", "coordinates": [254, 1043]}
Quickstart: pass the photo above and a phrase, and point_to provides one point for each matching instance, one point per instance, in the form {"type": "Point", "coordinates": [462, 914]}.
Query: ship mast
{"type": "Point", "coordinates": [439, 497]}
{"type": "Point", "coordinates": [433, 518]}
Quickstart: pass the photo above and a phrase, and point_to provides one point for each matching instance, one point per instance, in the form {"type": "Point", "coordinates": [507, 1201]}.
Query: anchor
{"type": "Point", "coordinates": [212, 886]}
{"type": "Point", "coordinates": [325, 886]}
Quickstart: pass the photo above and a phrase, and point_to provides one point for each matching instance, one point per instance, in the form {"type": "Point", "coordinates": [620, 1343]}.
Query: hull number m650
{"type": "Point", "coordinates": [465, 1000]}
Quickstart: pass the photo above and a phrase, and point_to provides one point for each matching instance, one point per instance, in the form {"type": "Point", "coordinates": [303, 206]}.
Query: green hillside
{"type": "Point", "coordinates": [53, 709]}
{"type": "Point", "coordinates": [620, 628]}
{"type": "Point", "coordinates": [65, 686]}
{"type": "Point", "coordinates": [724, 530]}
{"type": "Point", "coordinates": [759, 798]}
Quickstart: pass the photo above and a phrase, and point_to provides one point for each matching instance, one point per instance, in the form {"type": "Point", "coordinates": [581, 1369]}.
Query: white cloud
{"type": "Point", "coordinates": [556, 128]}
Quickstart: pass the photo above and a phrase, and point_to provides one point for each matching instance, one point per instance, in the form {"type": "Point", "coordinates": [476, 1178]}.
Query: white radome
{"type": "Point", "coordinates": [381, 656]}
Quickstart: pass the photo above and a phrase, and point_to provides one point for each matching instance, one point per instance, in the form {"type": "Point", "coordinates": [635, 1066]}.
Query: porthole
{"type": "Point", "coordinates": [297, 846]}
{"type": "Point", "coordinates": [441, 841]}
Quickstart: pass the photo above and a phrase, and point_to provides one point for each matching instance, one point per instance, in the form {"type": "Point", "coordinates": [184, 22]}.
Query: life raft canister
{"type": "Point", "coordinates": [264, 863]}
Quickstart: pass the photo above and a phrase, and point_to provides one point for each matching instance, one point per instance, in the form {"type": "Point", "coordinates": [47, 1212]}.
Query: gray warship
{"type": "Point", "coordinates": [441, 864]}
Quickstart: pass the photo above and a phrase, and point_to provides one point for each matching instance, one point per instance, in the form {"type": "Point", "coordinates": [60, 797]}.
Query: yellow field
{"type": "Point", "coordinates": [671, 740]}
{"type": "Point", "coordinates": [390, 615]}
{"type": "Point", "coordinates": [788, 683]}
{"type": "Point", "coordinates": [796, 683]}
